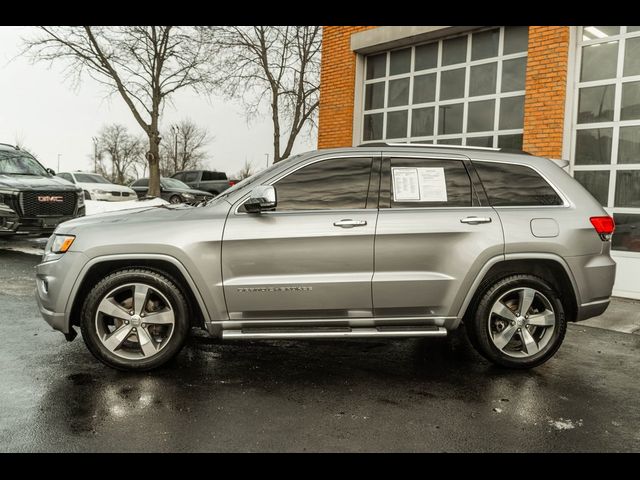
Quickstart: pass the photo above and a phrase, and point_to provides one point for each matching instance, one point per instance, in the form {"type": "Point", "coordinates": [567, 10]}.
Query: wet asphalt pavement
{"type": "Point", "coordinates": [367, 395]}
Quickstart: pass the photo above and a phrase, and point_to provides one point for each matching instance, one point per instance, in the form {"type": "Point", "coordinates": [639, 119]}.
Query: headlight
{"type": "Point", "coordinates": [99, 192]}
{"type": "Point", "coordinates": [80, 198]}
{"type": "Point", "coordinates": [187, 195]}
{"type": "Point", "coordinates": [59, 243]}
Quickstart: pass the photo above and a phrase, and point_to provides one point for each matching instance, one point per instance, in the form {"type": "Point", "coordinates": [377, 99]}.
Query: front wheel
{"type": "Point", "coordinates": [175, 199]}
{"type": "Point", "coordinates": [519, 322]}
{"type": "Point", "coordinates": [135, 319]}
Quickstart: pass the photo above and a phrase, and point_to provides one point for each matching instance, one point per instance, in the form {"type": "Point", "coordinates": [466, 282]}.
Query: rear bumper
{"type": "Point", "coordinates": [593, 309]}
{"type": "Point", "coordinates": [594, 276]}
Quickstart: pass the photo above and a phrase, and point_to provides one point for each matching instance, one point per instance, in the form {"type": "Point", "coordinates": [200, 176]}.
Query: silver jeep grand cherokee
{"type": "Point", "coordinates": [376, 241]}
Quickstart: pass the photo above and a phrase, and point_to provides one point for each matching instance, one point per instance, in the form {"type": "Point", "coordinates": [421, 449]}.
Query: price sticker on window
{"type": "Point", "coordinates": [419, 184]}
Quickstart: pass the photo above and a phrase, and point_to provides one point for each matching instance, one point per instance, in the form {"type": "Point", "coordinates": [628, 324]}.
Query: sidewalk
{"type": "Point", "coordinates": [623, 315]}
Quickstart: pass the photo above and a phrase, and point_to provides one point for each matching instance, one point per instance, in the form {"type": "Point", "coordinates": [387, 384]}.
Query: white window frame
{"type": "Point", "coordinates": [467, 64]}
{"type": "Point", "coordinates": [614, 124]}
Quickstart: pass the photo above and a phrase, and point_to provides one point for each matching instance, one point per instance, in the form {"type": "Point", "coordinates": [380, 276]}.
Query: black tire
{"type": "Point", "coordinates": [478, 329]}
{"type": "Point", "coordinates": [175, 199]}
{"type": "Point", "coordinates": [165, 285]}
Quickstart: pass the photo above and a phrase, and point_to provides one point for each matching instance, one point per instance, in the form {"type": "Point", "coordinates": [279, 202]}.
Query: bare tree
{"type": "Point", "coordinates": [144, 65]}
{"type": "Point", "coordinates": [246, 171]}
{"type": "Point", "coordinates": [274, 66]}
{"type": "Point", "coordinates": [21, 145]}
{"type": "Point", "coordinates": [184, 148]}
{"type": "Point", "coordinates": [122, 149]}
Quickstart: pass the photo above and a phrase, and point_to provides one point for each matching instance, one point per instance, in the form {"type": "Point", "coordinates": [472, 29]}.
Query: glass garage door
{"type": "Point", "coordinates": [605, 147]}
{"type": "Point", "coordinates": [465, 90]}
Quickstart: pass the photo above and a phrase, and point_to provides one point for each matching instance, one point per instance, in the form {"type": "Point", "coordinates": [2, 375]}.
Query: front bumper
{"type": "Point", "coordinates": [9, 220]}
{"type": "Point", "coordinates": [54, 282]}
{"type": "Point", "coordinates": [45, 225]}
{"type": "Point", "coordinates": [108, 197]}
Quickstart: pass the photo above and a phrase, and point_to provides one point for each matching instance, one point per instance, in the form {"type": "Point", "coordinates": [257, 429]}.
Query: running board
{"type": "Point", "coordinates": [339, 332]}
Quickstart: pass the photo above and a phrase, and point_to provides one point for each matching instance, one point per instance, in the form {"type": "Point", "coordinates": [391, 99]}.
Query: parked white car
{"type": "Point", "coordinates": [96, 187]}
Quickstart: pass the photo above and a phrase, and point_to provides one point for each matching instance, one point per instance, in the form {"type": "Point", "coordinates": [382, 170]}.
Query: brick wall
{"type": "Point", "coordinates": [545, 90]}
{"type": "Point", "coordinates": [337, 86]}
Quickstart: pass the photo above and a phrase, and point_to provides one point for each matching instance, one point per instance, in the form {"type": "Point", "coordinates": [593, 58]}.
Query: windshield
{"type": "Point", "coordinates": [90, 178]}
{"type": "Point", "coordinates": [173, 183]}
{"type": "Point", "coordinates": [20, 163]}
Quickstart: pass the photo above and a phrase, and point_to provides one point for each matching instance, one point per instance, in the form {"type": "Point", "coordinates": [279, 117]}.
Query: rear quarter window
{"type": "Point", "coordinates": [510, 185]}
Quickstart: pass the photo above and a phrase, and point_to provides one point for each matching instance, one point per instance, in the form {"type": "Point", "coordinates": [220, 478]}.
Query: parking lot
{"type": "Point", "coordinates": [406, 395]}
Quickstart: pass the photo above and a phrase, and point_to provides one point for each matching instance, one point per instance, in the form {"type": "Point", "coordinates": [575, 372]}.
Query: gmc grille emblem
{"type": "Point", "coordinates": [51, 198]}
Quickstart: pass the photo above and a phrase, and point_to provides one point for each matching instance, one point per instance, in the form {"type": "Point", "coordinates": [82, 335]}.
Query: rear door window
{"type": "Point", "coordinates": [510, 185]}
{"type": "Point", "coordinates": [425, 182]}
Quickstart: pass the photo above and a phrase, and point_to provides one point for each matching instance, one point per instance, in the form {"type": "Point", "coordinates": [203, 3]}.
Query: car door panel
{"type": "Point", "coordinates": [299, 265]}
{"type": "Point", "coordinates": [426, 256]}
{"type": "Point", "coordinates": [304, 264]}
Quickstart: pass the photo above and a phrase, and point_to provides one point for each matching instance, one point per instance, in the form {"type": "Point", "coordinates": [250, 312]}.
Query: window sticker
{"type": "Point", "coordinates": [419, 184]}
{"type": "Point", "coordinates": [405, 184]}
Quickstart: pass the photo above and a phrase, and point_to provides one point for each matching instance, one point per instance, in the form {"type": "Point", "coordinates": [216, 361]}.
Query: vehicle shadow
{"type": "Point", "coordinates": [211, 377]}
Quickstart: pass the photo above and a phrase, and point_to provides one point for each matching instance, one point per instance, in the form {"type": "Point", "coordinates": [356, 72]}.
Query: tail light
{"type": "Point", "coordinates": [232, 183]}
{"type": "Point", "coordinates": [604, 226]}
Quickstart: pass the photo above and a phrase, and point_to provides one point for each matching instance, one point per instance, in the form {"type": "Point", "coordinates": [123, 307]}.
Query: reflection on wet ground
{"type": "Point", "coordinates": [350, 395]}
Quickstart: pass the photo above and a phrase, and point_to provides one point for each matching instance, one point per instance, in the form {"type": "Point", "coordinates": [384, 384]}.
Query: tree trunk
{"type": "Point", "coordinates": [276, 124]}
{"type": "Point", "coordinates": [153, 157]}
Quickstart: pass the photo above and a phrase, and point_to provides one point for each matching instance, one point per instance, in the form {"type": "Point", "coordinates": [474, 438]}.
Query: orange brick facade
{"type": "Point", "coordinates": [337, 87]}
{"type": "Point", "coordinates": [545, 89]}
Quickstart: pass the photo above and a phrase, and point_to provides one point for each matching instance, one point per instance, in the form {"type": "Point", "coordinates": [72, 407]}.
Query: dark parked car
{"type": "Point", "coordinates": [213, 182]}
{"type": "Point", "coordinates": [171, 190]}
{"type": "Point", "coordinates": [32, 198]}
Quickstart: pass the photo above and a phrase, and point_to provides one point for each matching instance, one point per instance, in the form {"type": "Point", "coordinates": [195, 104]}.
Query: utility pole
{"type": "Point", "coordinates": [175, 130]}
{"type": "Point", "coordinates": [58, 170]}
{"type": "Point", "coordinates": [267, 159]}
{"type": "Point", "coordinates": [95, 154]}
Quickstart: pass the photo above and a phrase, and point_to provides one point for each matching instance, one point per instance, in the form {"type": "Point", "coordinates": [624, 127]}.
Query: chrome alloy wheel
{"type": "Point", "coordinates": [521, 322]}
{"type": "Point", "coordinates": [134, 321]}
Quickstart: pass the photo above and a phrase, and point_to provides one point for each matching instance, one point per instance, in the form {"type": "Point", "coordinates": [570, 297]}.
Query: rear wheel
{"type": "Point", "coordinates": [519, 322]}
{"type": "Point", "coordinates": [135, 320]}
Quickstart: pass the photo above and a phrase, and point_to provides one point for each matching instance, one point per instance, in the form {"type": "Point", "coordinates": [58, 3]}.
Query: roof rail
{"type": "Point", "coordinates": [440, 145]}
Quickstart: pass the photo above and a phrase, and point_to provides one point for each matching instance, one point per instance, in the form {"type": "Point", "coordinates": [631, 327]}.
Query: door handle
{"type": "Point", "coordinates": [475, 220]}
{"type": "Point", "coordinates": [348, 223]}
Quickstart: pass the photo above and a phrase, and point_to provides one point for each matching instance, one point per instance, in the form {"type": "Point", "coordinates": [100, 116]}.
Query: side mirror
{"type": "Point", "coordinates": [262, 198]}
{"type": "Point", "coordinates": [51, 171]}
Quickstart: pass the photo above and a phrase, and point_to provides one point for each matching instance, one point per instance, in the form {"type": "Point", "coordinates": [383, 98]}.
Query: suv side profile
{"type": "Point", "coordinates": [375, 241]}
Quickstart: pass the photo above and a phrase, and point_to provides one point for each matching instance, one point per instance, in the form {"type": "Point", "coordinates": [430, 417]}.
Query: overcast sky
{"type": "Point", "coordinates": [40, 107]}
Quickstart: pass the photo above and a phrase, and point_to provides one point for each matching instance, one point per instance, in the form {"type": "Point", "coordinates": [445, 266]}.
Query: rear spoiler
{"type": "Point", "coordinates": [561, 163]}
